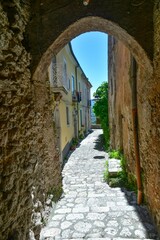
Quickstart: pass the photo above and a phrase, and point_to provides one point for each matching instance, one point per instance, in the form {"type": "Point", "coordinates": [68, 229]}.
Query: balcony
{"type": "Point", "coordinates": [59, 89]}
{"type": "Point", "coordinates": [89, 103]}
{"type": "Point", "coordinates": [76, 96]}
{"type": "Point", "coordinates": [58, 80]}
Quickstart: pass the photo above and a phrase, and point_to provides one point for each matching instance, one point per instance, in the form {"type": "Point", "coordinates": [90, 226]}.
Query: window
{"type": "Point", "coordinates": [73, 84]}
{"type": "Point", "coordinates": [53, 72]}
{"type": "Point", "coordinates": [67, 115]}
{"type": "Point", "coordinates": [69, 84]}
{"type": "Point", "coordinates": [64, 72]}
{"type": "Point", "coordinates": [81, 121]}
{"type": "Point", "coordinates": [85, 90]}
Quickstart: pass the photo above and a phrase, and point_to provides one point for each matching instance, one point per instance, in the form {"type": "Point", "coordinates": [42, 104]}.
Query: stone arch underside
{"type": "Point", "coordinates": [54, 23]}
{"type": "Point", "coordinates": [92, 24]}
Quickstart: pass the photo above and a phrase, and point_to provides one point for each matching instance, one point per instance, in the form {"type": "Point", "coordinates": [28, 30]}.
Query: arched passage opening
{"type": "Point", "coordinates": [85, 25]}
{"type": "Point", "coordinates": [81, 26]}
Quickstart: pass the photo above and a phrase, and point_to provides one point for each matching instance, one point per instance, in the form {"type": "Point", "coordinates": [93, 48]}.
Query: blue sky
{"type": "Point", "coordinates": [91, 51]}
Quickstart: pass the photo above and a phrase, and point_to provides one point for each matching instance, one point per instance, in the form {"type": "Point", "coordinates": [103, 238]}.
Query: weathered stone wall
{"type": "Point", "coordinates": [148, 99]}
{"type": "Point", "coordinates": [153, 95]}
{"type": "Point", "coordinates": [120, 106]}
{"type": "Point", "coordinates": [28, 160]}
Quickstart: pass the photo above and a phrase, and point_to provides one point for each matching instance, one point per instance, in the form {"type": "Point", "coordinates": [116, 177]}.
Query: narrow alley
{"type": "Point", "coordinates": [89, 208]}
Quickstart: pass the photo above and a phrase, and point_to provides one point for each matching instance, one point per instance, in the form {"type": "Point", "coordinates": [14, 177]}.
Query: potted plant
{"type": "Point", "coordinates": [74, 143]}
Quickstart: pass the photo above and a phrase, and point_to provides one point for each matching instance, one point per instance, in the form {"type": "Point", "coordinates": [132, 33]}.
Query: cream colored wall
{"type": "Point", "coordinates": [67, 131]}
{"type": "Point", "coordinates": [83, 105]}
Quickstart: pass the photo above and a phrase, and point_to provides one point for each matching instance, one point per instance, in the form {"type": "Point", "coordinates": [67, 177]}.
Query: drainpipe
{"type": "Point", "coordinates": [135, 127]}
{"type": "Point", "coordinates": [76, 67]}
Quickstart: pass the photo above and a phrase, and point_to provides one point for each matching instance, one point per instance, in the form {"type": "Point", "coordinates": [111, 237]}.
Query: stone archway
{"type": "Point", "coordinates": [95, 24]}
{"type": "Point", "coordinates": [83, 25]}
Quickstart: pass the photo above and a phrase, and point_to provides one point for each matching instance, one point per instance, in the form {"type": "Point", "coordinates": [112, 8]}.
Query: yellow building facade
{"type": "Point", "coordinates": [70, 90]}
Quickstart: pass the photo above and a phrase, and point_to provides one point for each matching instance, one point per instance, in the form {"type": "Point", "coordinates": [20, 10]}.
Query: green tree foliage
{"type": "Point", "coordinates": [100, 109]}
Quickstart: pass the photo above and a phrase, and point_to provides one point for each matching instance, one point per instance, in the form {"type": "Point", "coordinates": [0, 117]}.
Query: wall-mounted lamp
{"type": "Point", "coordinates": [85, 2]}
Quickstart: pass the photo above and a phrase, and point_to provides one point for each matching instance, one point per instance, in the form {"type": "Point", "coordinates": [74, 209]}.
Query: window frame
{"type": "Point", "coordinates": [73, 83]}
{"type": "Point", "coordinates": [64, 71]}
{"type": "Point", "coordinates": [67, 116]}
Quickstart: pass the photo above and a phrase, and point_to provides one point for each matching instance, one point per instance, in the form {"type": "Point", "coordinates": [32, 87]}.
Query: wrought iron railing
{"type": "Point", "coordinates": [59, 78]}
{"type": "Point", "coordinates": [76, 96]}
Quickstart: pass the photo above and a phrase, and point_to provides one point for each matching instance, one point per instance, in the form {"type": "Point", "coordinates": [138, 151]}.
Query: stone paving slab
{"type": "Point", "coordinates": [89, 208]}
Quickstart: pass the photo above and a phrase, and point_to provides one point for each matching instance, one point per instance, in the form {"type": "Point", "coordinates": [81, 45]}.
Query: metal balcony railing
{"type": "Point", "coordinates": [76, 96]}
{"type": "Point", "coordinates": [58, 77]}
{"type": "Point", "coordinates": [89, 102]}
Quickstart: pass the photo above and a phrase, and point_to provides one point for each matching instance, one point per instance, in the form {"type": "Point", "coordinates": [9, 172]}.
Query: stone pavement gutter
{"type": "Point", "coordinates": [89, 208]}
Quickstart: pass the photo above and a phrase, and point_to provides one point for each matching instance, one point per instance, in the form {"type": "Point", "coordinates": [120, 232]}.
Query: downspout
{"type": "Point", "coordinates": [135, 127]}
{"type": "Point", "coordinates": [77, 100]}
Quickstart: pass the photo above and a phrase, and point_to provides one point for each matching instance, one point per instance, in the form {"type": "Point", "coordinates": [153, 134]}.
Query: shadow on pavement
{"type": "Point", "coordinates": [100, 143]}
{"type": "Point", "coordinates": [143, 214]}
{"type": "Point", "coordinates": [141, 211]}
{"type": "Point", "coordinates": [98, 157]}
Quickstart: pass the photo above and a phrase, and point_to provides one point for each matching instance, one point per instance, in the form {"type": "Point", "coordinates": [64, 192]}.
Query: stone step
{"type": "Point", "coordinates": [114, 166]}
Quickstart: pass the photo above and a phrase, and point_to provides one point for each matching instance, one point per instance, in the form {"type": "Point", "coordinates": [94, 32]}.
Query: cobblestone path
{"type": "Point", "coordinates": [89, 208]}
